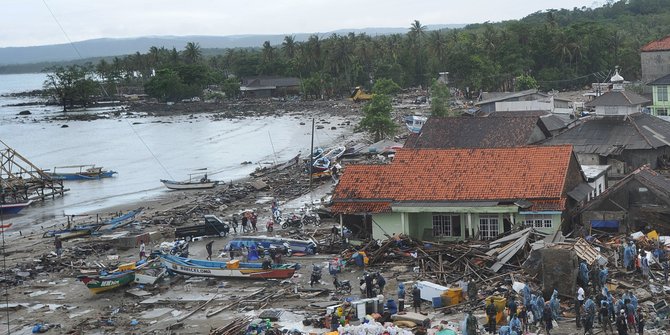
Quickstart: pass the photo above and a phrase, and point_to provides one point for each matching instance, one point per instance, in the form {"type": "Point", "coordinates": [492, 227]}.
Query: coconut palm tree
{"type": "Point", "coordinates": [192, 53]}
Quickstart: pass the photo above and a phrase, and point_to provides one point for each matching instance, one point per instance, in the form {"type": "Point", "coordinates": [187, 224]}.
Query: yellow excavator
{"type": "Point", "coordinates": [359, 95]}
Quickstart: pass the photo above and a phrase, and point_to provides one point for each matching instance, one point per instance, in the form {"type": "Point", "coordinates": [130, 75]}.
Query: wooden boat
{"type": "Point", "coordinates": [121, 220]}
{"type": "Point", "coordinates": [231, 269]}
{"type": "Point", "coordinates": [102, 283]}
{"type": "Point", "coordinates": [8, 209]}
{"type": "Point", "coordinates": [84, 172]}
{"type": "Point", "coordinates": [415, 122]}
{"type": "Point", "coordinates": [321, 164]}
{"type": "Point", "coordinates": [335, 153]}
{"type": "Point", "coordinates": [188, 185]}
{"type": "Point", "coordinates": [66, 234]}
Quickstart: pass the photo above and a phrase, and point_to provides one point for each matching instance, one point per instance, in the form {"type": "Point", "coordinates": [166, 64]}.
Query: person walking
{"type": "Point", "coordinates": [381, 282]}
{"type": "Point", "coordinates": [143, 251]}
{"type": "Point", "coordinates": [548, 318]}
{"type": "Point", "coordinates": [416, 299]}
{"type": "Point", "coordinates": [234, 224]}
{"type": "Point", "coordinates": [491, 315]}
{"type": "Point", "coordinates": [604, 315]}
{"type": "Point", "coordinates": [253, 219]}
{"type": "Point", "coordinates": [59, 245]}
{"type": "Point", "coordinates": [208, 247]}
{"type": "Point", "coordinates": [245, 223]}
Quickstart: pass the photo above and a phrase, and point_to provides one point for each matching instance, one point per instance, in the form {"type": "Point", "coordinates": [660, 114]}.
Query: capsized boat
{"type": "Point", "coordinates": [231, 269]}
{"type": "Point", "coordinates": [15, 208]}
{"type": "Point", "coordinates": [80, 172]}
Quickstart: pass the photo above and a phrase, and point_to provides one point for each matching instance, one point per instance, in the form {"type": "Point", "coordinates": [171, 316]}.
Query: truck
{"type": "Point", "coordinates": [213, 226]}
{"type": "Point", "coordinates": [359, 95]}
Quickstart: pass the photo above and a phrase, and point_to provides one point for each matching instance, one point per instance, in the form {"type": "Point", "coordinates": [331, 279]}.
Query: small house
{"type": "Point", "coordinates": [466, 193]}
{"type": "Point", "coordinates": [267, 87]}
{"type": "Point", "coordinates": [661, 103]}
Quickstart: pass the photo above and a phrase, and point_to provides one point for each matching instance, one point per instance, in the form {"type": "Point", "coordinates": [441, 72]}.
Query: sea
{"type": "Point", "coordinates": [143, 150]}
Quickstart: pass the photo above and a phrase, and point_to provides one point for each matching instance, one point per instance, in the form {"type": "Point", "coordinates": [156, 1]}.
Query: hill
{"type": "Point", "coordinates": [105, 47]}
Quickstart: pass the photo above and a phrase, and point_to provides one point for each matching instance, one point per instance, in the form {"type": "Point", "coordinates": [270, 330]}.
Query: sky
{"type": "Point", "coordinates": [31, 22]}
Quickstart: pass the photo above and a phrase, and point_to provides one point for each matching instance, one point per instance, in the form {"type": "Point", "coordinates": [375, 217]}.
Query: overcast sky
{"type": "Point", "coordinates": [29, 22]}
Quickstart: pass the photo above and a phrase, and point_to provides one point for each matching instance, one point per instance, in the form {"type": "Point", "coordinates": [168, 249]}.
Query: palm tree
{"type": "Point", "coordinates": [288, 46]}
{"type": "Point", "coordinates": [192, 52]}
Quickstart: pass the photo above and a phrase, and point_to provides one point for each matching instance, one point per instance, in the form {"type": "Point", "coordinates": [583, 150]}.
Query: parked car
{"type": "Point", "coordinates": [213, 226]}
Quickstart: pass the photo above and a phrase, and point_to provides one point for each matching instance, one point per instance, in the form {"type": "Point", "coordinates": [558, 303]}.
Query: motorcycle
{"type": "Point", "coordinates": [292, 222]}
{"type": "Point", "coordinates": [309, 217]}
{"type": "Point", "coordinates": [341, 286]}
{"type": "Point", "coordinates": [269, 226]}
{"type": "Point", "coordinates": [316, 275]}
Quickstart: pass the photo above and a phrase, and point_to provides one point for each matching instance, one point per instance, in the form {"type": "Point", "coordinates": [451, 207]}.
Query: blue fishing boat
{"type": "Point", "coordinates": [80, 172]}
{"type": "Point", "coordinates": [15, 208]}
{"type": "Point", "coordinates": [230, 269]}
{"type": "Point", "coordinates": [121, 220]}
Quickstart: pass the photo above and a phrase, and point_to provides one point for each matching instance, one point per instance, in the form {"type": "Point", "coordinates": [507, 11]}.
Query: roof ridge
{"type": "Point", "coordinates": [632, 121]}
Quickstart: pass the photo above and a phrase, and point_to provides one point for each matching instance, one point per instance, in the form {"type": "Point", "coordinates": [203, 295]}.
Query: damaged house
{"type": "Point", "coordinates": [639, 202]}
{"type": "Point", "coordinates": [457, 194]}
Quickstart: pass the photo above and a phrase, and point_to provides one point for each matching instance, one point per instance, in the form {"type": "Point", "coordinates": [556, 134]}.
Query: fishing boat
{"type": "Point", "coordinates": [188, 185]}
{"type": "Point", "coordinates": [321, 164]}
{"type": "Point", "coordinates": [335, 153]}
{"type": "Point", "coordinates": [102, 283]}
{"type": "Point", "coordinates": [80, 172]}
{"type": "Point", "coordinates": [317, 153]}
{"type": "Point", "coordinates": [231, 269]}
{"type": "Point", "coordinates": [121, 220]}
{"type": "Point", "coordinates": [15, 208]}
{"type": "Point", "coordinates": [415, 122]}
{"type": "Point", "coordinates": [77, 231]}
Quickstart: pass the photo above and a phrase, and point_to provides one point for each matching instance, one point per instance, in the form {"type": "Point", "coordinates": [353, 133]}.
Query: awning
{"type": "Point", "coordinates": [580, 192]}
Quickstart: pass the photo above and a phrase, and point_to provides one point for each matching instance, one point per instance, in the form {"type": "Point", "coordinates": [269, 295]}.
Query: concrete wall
{"type": "Point", "coordinates": [386, 223]}
{"type": "Point", "coordinates": [559, 271]}
{"type": "Point", "coordinates": [604, 215]}
{"type": "Point", "coordinates": [655, 64]}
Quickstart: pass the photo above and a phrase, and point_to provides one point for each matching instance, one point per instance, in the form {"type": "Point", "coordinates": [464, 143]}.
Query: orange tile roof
{"type": "Point", "coordinates": [360, 207]}
{"type": "Point", "coordinates": [659, 45]}
{"type": "Point", "coordinates": [460, 175]}
{"type": "Point", "coordinates": [548, 205]}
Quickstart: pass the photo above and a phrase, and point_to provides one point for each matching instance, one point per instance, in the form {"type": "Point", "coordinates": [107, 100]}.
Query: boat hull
{"type": "Point", "coordinates": [149, 276]}
{"type": "Point", "coordinates": [175, 185]}
{"type": "Point", "coordinates": [13, 208]}
{"type": "Point", "coordinates": [201, 268]}
{"type": "Point", "coordinates": [98, 284]}
{"type": "Point", "coordinates": [82, 176]}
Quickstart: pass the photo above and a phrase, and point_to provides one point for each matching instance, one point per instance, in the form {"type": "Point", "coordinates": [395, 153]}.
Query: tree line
{"type": "Point", "coordinates": [555, 49]}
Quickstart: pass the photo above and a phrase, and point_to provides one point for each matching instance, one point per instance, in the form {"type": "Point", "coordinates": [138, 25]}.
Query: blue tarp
{"type": "Point", "coordinates": [605, 224]}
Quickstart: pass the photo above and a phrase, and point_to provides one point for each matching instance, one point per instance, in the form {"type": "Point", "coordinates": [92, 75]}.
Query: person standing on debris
{"type": "Point", "coordinates": [604, 317]}
{"type": "Point", "coordinates": [621, 326]}
{"type": "Point", "coordinates": [208, 247]}
{"type": "Point", "coordinates": [253, 219]}
{"type": "Point", "coordinates": [523, 317]}
{"type": "Point", "coordinates": [416, 299]}
{"type": "Point", "coordinates": [472, 291]}
{"type": "Point", "coordinates": [630, 315]}
{"type": "Point", "coordinates": [547, 317]}
{"type": "Point", "coordinates": [471, 324]}
{"type": "Point", "coordinates": [491, 315]}
{"type": "Point", "coordinates": [639, 319]}
{"type": "Point", "coordinates": [381, 282]}
{"type": "Point", "coordinates": [578, 306]}
{"type": "Point", "coordinates": [367, 278]}
{"type": "Point", "coordinates": [590, 315]}
{"type": "Point", "coordinates": [143, 251]}
{"type": "Point", "coordinates": [512, 306]}
{"type": "Point", "coordinates": [515, 324]}
{"type": "Point", "coordinates": [644, 264]}
{"type": "Point", "coordinates": [59, 246]}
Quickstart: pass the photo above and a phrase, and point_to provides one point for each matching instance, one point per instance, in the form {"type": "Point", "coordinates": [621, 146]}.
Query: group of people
{"type": "Point", "coordinates": [371, 281]}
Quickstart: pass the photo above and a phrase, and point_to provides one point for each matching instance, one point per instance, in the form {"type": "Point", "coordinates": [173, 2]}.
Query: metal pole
{"type": "Point", "coordinates": [311, 158]}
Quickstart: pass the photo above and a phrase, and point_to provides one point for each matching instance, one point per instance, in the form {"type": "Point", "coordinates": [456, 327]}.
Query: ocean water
{"type": "Point", "coordinates": [144, 150]}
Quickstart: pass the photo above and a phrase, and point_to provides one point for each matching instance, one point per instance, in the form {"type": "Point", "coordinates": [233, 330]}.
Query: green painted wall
{"type": "Point", "coordinates": [659, 104]}
{"type": "Point", "coordinates": [386, 223]}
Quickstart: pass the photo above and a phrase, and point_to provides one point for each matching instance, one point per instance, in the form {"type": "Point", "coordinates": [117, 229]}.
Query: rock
{"type": "Point", "coordinates": [64, 126]}
{"type": "Point", "coordinates": [26, 112]}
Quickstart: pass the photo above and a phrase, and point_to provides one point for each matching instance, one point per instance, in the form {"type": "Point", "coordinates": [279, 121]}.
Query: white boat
{"type": "Point", "coordinates": [415, 122]}
{"type": "Point", "coordinates": [333, 154]}
{"type": "Point", "coordinates": [188, 185]}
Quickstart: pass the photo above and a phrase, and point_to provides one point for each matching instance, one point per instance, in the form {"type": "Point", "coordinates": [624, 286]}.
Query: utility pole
{"type": "Point", "coordinates": [311, 157]}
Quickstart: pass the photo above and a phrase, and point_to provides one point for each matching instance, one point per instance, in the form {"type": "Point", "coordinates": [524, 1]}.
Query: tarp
{"type": "Point", "coordinates": [605, 224]}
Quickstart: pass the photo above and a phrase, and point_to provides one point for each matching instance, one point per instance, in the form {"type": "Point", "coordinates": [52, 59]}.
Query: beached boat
{"type": "Point", "coordinates": [321, 164]}
{"type": "Point", "coordinates": [80, 172]}
{"type": "Point", "coordinates": [188, 185]}
{"type": "Point", "coordinates": [317, 153]}
{"type": "Point", "coordinates": [77, 231]}
{"type": "Point", "coordinates": [121, 220]}
{"type": "Point", "coordinates": [415, 122]}
{"type": "Point", "coordinates": [335, 153]}
{"type": "Point", "coordinates": [8, 209]}
{"type": "Point", "coordinates": [231, 269]}
{"type": "Point", "coordinates": [102, 283]}
{"type": "Point", "coordinates": [308, 247]}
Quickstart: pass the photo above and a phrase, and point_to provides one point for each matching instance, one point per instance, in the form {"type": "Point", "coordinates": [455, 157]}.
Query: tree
{"type": "Point", "coordinates": [377, 117]}
{"type": "Point", "coordinates": [439, 100]}
{"type": "Point", "coordinates": [231, 87]}
{"type": "Point", "coordinates": [524, 82]}
{"type": "Point", "coordinates": [72, 85]}
{"type": "Point", "coordinates": [385, 86]}
{"type": "Point", "coordinates": [192, 52]}
{"type": "Point", "coordinates": [166, 85]}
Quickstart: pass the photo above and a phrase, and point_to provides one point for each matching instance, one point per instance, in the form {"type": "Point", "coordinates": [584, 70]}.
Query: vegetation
{"type": "Point", "coordinates": [439, 102]}
{"type": "Point", "coordinates": [377, 118]}
{"type": "Point", "coordinates": [556, 49]}
{"type": "Point", "coordinates": [73, 85]}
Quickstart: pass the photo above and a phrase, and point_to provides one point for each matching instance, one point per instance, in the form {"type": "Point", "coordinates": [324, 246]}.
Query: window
{"type": "Point", "coordinates": [662, 93]}
{"type": "Point", "coordinates": [488, 226]}
{"type": "Point", "coordinates": [661, 112]}
{"type": "Point", "coordinates": [446, 225]}
{"type": "Point", "coordinates": [538, 221]}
